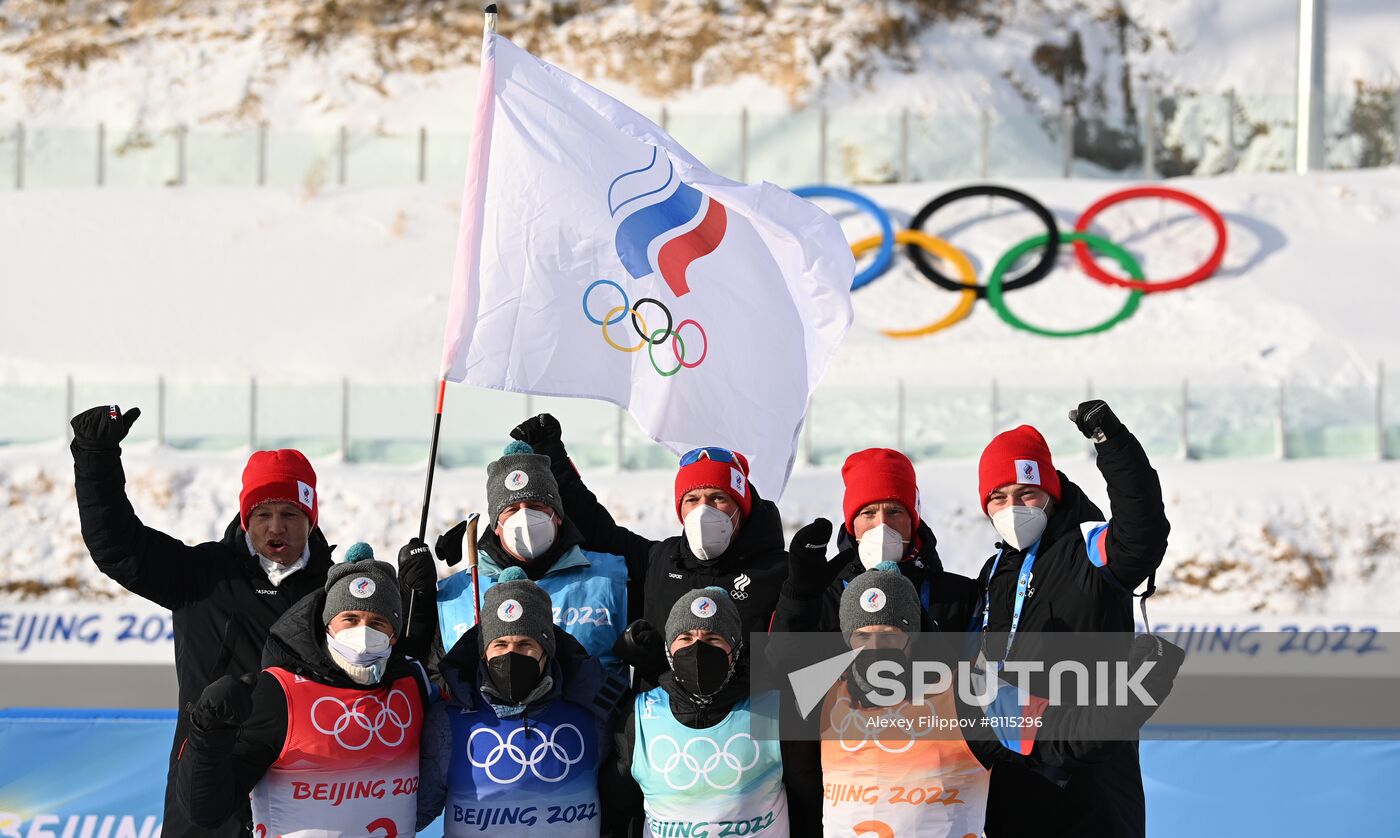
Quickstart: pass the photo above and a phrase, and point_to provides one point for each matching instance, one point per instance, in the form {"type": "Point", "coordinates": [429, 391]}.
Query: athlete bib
{"type": "Point", "coordinates": [894, 772]}
{"type": "Point", "coordinates": [511, 778]}
{"type": "Point", "coordinates": [349, 766]}
{"type": "Point", "coordinates": [707, 783]}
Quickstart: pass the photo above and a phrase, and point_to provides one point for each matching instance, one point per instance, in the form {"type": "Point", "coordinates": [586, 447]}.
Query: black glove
{"type": "Point", "coordinates": [416, 570]}
{"type": "Point", "coordinates": [103, 428]}
{"type": "Point", "coordinates": [643, 647]}
{"type": "Point", "coordinates": [1096, 421]}
{"type": "Point", "coordinates": [226, 703]}
{"type": "Point", "coordinates": [449, 544]}
{"type": "Point", "coordinates": [1158, 683]}
{"type": "Point", "coordinates": [544, 435]}
{"type": "Point", "coordinates": [809, 571]}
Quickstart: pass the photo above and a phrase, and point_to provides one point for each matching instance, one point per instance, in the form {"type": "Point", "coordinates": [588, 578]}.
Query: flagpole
{"type": "Point", "coordinates": [488, 29]}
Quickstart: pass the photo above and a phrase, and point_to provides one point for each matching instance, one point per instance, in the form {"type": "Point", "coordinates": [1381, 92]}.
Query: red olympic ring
{"type": "Point", "coordinates": [680, 351]}
{"type": "Point", "coordinates": [1090, 267]}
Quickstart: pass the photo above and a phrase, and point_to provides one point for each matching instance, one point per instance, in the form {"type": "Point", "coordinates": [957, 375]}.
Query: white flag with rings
{"type": "Point", "coordinates": [597, 258]}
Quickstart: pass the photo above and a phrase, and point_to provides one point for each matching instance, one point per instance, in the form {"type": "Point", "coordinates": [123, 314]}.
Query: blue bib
{"type": "Point", "coordinates": [512, 778]}
{"type": "Point", "coordinates": [589, 592]}
{"type": "Point", "coordinates": [708, 782]}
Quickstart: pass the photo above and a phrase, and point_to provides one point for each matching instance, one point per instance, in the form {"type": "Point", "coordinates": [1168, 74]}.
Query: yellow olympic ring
{"type": "Point", "coordinates": [608, 318]}
{"type": "Point", "coordinates": [967, 275]}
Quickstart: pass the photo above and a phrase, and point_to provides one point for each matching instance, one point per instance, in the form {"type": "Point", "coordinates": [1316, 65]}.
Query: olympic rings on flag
{"type": "Point", "coordinates": [1210, 266]}
{"type": "Point", "coordinates": [885, 257]}
{"type": "Point", "coordinates": [938, 247]}
{"type": "Point", "coordinates": [1038, 271]}
{"type": "Point", "coordinates": [918, 243]}
{"type": "Point", "coordinates": [998, 303]}
{"type": "Point", "coordinates": [648, 337]}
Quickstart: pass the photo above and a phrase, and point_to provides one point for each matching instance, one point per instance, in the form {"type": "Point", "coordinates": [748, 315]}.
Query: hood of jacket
{"type": "Point", "coordinates": [297, 643]}
{"type": "Point", "coordinates": [761, 534]}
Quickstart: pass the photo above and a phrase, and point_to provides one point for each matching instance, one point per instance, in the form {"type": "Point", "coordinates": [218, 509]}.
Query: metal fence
{"type": "Point", "coordinates": [1167, 136]}
{"type": "Point", "coordinates": [389, 423]}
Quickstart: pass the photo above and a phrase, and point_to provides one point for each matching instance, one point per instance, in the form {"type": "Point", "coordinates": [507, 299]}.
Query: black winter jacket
{"type": "Point", "coordinates": [217, 769]}
{"type": "Point", "coordinates": [1070, 593]}
{"type": "Point", "coordinates": [222, 604]}
{"type": "Point", "coordinates": [752, 570]}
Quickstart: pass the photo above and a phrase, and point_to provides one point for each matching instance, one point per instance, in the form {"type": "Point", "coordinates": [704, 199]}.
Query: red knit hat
{"type": "Point", "coordinates": [878, 474]}
{"type": "Point", "coordinates": [1019, 455]}
{"type": "Point", "coordinates": [282, 475]}
{"type": "Point", "coordinates": [709, 473]}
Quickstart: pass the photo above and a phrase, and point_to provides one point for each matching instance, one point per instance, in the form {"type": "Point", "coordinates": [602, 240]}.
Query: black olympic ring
{"type": "Point", "coordinates": [665, 333]}
{"type": "Point", "coordinates": [1037, 272]}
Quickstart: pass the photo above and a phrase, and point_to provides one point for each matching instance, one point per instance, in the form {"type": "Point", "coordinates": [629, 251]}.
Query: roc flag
{"type": "Point", "coordinates": [597, 258]}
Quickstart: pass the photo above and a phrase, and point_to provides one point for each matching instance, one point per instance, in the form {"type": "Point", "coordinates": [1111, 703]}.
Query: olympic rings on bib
{"type": "Point", "coordinates": [1038, 271]}
{"type": "Point", "coordinates": [937, 247]}
{"type": "Point", "coordinates": [918, 243]}
{"type": "Point", "coordinates": [1210, 266]}
{"type": "Point", "coordinates": [998, 303]}
{"type": "Point", "coordinates": [885, 257]}
{"type": "Point", "coordinates": [647, 337]}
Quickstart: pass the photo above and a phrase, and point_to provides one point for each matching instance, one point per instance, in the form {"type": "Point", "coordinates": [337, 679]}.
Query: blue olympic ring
{"type": "Point", "coordinates": [885, 257]}
{"type": "Point", "coordinates": [626, 303]}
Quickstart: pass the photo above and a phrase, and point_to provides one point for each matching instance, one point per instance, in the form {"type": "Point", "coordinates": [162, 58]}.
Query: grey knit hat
{"type": "Point", "coordinates": [515, 605]}
{"type": "Point", "coordinates": [880, 596]}
{"type": "Point", "coordinates": [362, 584]}
{"type": "Point", "coordinates": [705, 609]}
{"type": "Point", "coordinates": [519, 475]}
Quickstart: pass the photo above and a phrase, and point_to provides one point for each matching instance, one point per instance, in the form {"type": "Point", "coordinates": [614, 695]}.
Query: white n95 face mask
{"type": "Point", "coordinates": [1020, 526]}
{"type": "Point", "coordinates": [361, 653]}
{"type": "Point", "coordinates": [880, 543]}
{"type": "Point", "coordinates": [529, 533]}
{"type": "Point", "coordinates": [708, 532]}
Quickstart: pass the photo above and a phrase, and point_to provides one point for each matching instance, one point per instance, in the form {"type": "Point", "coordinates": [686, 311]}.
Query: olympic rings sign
{"type": "Point", "coordinates": [917, 243]}
{"type": "Point", "coordinates": [720, 768]}
{"type": "Point", "coordinates": [365, 719]}
{"type": "Point", "coordinates": [507, 752]}
{"type": "Point", "coordinates": [648, 338]}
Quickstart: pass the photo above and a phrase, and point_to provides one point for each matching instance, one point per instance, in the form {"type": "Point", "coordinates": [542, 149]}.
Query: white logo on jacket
{"type": "Point", "coordinates": [702, 758]}
{"type": "Point", "coordinates": [508, 752]}
{"type": "Point", "coordinates": [367, 717]}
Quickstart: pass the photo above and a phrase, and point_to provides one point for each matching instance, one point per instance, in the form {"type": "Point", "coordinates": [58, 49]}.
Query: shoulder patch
{"type": "Point", "coordinates": [1096, 541]}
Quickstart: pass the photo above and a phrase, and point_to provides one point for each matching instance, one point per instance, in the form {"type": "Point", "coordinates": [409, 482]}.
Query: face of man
{"type": "Point", "coordinates": [371, 619]}
{"type": "Point", "coordinates": [888, 512]}
{"type": "Point", "coordinates": [279, 531]}
{"type": "Point", "coordinates": [718, 498]}
{"type": "Point", "coordinates": [879, 637]}
{"type": "Point", "coordinates": [1018, 494]}
{"type": "Point", "coordinates": [520, 644]}
{"type": "Point", "coordinates": [516, 507]}
{"type": "Point", "coordinates": [689, 638]}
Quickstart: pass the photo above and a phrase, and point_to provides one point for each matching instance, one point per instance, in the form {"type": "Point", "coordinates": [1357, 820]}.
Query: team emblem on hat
{"type": "Point", "coordinates": [509, 611]}
{"type": "Point", "coordinates": [737, 482]}
{"type": "Point", "coordinates": [517, 480]}
{"type": "Point", "coordinates": [306, 494]}
{"type": "Point", "coordinates": [362, 587]}
{"type": "Point", "coordinates": [1028, 471]}
{"type": "Point", "coordinates": [703, 607]}
{"type": "Point", "coordinates": [873, 600]}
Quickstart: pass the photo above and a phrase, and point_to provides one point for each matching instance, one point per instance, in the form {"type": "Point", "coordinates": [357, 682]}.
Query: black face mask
{"type": "Point", "coordinates": [861, 687]}
{"type": "Point", "coordinates": [514, 675]}
{"type": "Point", "coordinates": [701, 668]}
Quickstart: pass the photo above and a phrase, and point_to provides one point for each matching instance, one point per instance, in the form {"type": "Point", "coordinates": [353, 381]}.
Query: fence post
{"type": "Point", "coordinates": [1149, 133]}
{"type": "Point", "coordinates": [1185, 419]}
{"type": "Point", "coordinates": [1381, 452]}
{"type": "Point", "coordinates": [904, 174]}
{"type": "Point", "coordinates": [422, 154]}
{"type": "Point", "coordinates": [1230, 130]}
{"type": "Point", "coordinates": [160, 411]}
{"type": "Point", "coordinates": [1088, 396]}
{"type": "Point", "coordinates": [821, 145]}
{"type": "Point", "coordinates": [665, 118]}
{"type": "Point", "coordinates": [342, 152]}
{"type": "Point", "coordinates": [620, 452]}
{"type": "Point", "coordinates": [807, 435]}
{"type": "Point", "coordinates": [1066, 140]}
{"type": "Point", "coordinates": [1396, 160]}
{"type": "Point", "coordinates": [19, 155]}
{"type": "Point", "coordinates": [68, 407]}
{"type": "Point", "coordinates": [252, 413]}
{"type": "Point", "coordinates": [345, 418]}
{"type": "Point", "coordinates": [101, 154]}
{"type": "Point", "coordinates": [996, 407]}
{"type": "Point", "coordinates": [1281, 426]}
{"type": "Point", "coordinates": [529, 405]}
{"type": "Point", "coordinates": [262, 154]}
{"type": "Point", "coordinates": [985, 157]}
{"type": "Point", "coordinates": [899, 415]}
{"type": "Point", "coordinates": [744, 145]}
{"type": "Point", "coordinates": [181, 138]}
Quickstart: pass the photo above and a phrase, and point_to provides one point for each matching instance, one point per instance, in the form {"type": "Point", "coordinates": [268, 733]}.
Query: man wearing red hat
{"type": "Point", "coordinates": [730, 538]}
{"type": "Point", "coordinates": [881, 524]}
{"type": "Point", "coordinates": [1060, 566]}
{"type": "Point", "coordinates": [224, 595]}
